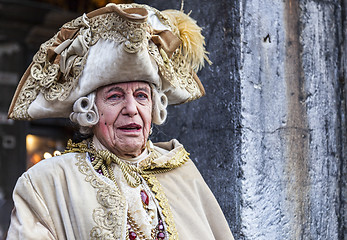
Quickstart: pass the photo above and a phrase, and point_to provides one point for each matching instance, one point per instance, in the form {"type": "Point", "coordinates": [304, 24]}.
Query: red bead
{"type": "Point", "coordinates": [144, 197]}
{"type": "Point", "coordinates": [161, 235]}
{"type": "Point", "coordinates": [132, 235]}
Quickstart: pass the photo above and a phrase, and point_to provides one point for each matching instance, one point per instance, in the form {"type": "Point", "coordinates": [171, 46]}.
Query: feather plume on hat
{"type": "Point", "coordinates": [193, 42]}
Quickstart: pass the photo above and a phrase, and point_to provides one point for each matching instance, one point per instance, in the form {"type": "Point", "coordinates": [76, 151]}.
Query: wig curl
{"type": "Point", "coordinates": [85, 113]}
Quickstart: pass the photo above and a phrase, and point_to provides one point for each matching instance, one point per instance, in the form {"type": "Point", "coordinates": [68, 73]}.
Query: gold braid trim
{"type": "Point", "coordinates": [177, 160]}
{"type": "Point", "coordinates": [156, 187]}
{"type": "Point", "coordinates": [111, 215]}
{"type": "Point", "coordinates": [104, 158]}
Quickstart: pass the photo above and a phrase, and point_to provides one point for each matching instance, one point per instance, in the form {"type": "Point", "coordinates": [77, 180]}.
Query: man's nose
{"type": "Point", "coordinates": [130, 106]}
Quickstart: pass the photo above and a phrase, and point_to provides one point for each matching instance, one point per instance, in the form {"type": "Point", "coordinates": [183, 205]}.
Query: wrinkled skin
{"type": "Point", "coordinates": [125, 111]}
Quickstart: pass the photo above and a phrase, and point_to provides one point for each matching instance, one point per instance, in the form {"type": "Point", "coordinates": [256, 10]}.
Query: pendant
{"type": "Point", "coordinates": [144, 197]}
{"type": "Point", "coordinates": [132, 235]}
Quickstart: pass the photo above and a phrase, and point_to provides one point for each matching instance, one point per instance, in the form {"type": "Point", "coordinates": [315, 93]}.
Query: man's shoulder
{"type": "Point", "coordinates": [55, 165]}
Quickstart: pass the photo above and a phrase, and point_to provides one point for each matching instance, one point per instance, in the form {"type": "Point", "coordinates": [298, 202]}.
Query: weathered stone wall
{"type": "Point", "coordinates": [291, 116]}
{"type": "Point", "coordinates": [343, 119]}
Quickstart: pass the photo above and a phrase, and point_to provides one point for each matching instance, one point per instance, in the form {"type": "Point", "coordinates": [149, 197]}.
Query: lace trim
{"type": "Point", "coordinates": [157, 189]}
{"type": "Point", "coordinates": [175, 71]}
{"type": "Point", "coordinates": [45, 76]}
{"type": "Point", "coordinates": [110, 218]}
{"type": "Point", "coordinates": [113, 27]}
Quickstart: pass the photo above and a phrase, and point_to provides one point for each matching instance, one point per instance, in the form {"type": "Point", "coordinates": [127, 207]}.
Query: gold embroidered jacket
{"type": "Point", "coordinates": [65, 198]}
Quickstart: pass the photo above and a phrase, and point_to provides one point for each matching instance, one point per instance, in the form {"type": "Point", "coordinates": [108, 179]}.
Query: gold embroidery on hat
{"type": "Point", "coordinates": [113, 27]}
{"type": "Point", "coordinates": [45, 77]}
{"type": "Point", "coordinates": [177, 72]}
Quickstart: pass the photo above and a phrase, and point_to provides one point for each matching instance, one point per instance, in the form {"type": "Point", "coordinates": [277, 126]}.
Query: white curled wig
{"type": "Point", "coordinates": [160, 103]}
{"type": "Point", "coordinates": [85, 113]}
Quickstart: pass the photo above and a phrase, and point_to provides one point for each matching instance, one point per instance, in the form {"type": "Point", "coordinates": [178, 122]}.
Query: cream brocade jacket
{"type": "Point", "coordinates": [65, 198]}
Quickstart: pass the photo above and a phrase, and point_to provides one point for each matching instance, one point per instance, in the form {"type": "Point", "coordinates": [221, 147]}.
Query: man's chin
{"type": "Point", "coordinates": [131, 149]}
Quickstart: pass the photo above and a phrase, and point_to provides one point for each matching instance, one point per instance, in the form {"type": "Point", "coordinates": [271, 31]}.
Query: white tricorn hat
{"type": "Point", "coordinates": [116, 43]}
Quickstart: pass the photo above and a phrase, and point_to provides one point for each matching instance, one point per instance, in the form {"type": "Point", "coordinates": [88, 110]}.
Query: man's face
{"type": "Point", "coordinates": [125, 111]}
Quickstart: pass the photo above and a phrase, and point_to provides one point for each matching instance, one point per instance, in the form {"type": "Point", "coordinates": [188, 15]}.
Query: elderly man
{"type": "Point", "coordinates": [113, 72]}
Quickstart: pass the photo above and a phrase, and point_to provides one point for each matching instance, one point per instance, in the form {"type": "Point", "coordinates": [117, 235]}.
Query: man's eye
{"type": "Point", "coordinates": [114, 97]}
{"type": "Point", "coordinates": [142, 96]}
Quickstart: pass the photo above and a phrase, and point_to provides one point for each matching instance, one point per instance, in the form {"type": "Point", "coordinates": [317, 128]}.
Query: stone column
{"type": "Point", "coordinates": [293, 127]}
{"type": "Point", "coordinates": [343, 119]}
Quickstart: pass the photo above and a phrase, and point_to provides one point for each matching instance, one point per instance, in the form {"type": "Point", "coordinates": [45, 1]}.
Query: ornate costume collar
{"type": "Point", "coordinates": [154, 163]}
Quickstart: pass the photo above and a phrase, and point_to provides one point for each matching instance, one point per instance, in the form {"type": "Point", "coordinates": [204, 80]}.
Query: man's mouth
{"type": "Point", "coordinates": [130, 127]}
